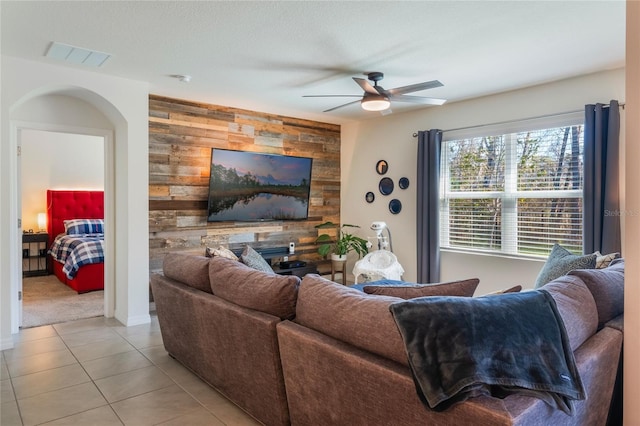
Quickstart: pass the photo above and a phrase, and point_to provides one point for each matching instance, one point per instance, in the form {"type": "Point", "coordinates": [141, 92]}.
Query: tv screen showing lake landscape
{"type": "Point", "coordinates": [249, 186]}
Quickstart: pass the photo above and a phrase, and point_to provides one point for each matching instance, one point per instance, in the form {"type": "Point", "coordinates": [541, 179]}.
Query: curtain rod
{"type": "Point", "coordinates": [621, 105]}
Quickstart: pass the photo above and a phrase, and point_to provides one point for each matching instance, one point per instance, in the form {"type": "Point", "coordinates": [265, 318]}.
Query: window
{"type": "Point", "coordinates": [515, 193]}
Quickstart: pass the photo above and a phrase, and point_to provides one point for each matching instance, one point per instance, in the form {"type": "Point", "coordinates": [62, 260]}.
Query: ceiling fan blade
{"type": "Point", "coordinates": [382, 91]}
{"type": "Point", "coordinates": [365, 85]}
{"type": "Point", "coordinates": [340, 106]}
{"type": "Point", "coordinates": [414, 87]}
{"type": "Point", "coordinates": [331, 96]}
{"type": "Point", "coordinates": [419, 100]}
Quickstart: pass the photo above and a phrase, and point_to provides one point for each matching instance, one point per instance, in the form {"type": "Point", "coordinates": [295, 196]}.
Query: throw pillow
{"type": "Point", "coordinates": [83, 226]}
{"type": "Point", "coordinates": [560, 262]}
{"type": "Point", "coordinates": [607, 287]}
{"type": "Point", "coordinates": [220, 251]}
{"type": "Point", "coordinates": [464, 288]}
{"type": "Point", "coordinates": [603, 260]}
{"type": "Point", "coordinates": [252, 258]}
{"type": "Point", "coordinates": [514, 289]}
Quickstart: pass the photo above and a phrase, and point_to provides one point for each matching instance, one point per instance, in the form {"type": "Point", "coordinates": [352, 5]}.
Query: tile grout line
{"type": "Point", "coordinates": [183, 388]}
{"type": "Point", "coordinates": [138, 350]}
{"type": "Point", "coordinates": [13, 389]}
{"type": "Point", "coordinates": [77, 361]}
{"type": "Point", "coordinates": [90, 379]}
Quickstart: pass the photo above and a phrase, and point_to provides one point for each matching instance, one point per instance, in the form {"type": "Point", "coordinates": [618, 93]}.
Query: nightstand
{"type": "Point", "coordinates": [34, 254]}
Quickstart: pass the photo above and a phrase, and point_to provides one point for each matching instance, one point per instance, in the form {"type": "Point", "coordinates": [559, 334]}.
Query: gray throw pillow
{"type": "Point", "coordinates": [560, 262]}
{"type": "Point", "coordinates": [252, 258]}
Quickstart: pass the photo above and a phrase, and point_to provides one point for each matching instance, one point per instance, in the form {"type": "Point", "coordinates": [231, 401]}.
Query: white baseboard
{"type": "Point", "coordinates": [137, 320]}
{"type": "Point", "coordinates": [6, 343]}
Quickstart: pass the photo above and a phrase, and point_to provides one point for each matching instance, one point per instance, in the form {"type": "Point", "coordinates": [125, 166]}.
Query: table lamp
{"type": "Point", "coordinates": [42, 222]}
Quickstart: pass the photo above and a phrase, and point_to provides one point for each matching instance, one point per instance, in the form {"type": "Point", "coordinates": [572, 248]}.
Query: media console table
{"type": "Point", "coordinates": [278, 253]}
{"type": "Point", "coordinates": [300, 271]}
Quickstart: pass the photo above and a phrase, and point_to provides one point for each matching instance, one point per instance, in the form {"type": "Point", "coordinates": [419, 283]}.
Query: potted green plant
{"type": "Point", "coordinates": [344, 243]}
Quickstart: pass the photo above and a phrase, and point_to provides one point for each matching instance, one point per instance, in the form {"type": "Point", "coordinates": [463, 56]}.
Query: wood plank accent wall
{"type": "Point", "coordinates": [181, 136]}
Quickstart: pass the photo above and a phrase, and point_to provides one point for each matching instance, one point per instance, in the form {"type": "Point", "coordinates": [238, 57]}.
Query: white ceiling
{"type": "Point", "coordinates": [265, 55]}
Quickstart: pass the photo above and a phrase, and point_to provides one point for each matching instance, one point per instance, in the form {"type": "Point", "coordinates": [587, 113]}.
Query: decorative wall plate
{"type": "Point", "coordinates": [385, 186]}
{"type": "Point", "coordinates": [370, 196]}
{"type": "Point", "coordinates": [395, 206]}
{"type": "Point", "coordinates": [403, 183]}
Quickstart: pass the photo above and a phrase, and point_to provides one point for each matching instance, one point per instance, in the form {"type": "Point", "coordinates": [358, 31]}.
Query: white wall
{"type": "Point", "coordinates": [123, 107]}
{"type": "Point", "coordinates": [391, 138]}
{"type": "Point", "coordinates": [55, 160]}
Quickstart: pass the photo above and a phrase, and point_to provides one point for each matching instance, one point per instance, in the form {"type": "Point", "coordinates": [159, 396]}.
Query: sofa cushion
{"type": "Point", "coordinates": [576, 307]}
{"type": "Point", "coordinates": [464, 288]}
{"type": "Point", "coordinates": [252, 258]}
{"type": "Point", "coordinates": [189, 269]}
{"type": "Point", "coordinates": [253, 289]}
{"type": "Point", "coordinates": [351, 316]}
{"type": "Point", "coordinates": [607, 287]}
{"type": "Point", "coordinates": [617, 323]}
{"type": "Point", "coordinates": [560, 262]}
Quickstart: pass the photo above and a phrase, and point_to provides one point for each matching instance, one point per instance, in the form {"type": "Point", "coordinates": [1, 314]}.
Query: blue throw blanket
{"type": "Point", "coordinates": [461, 347]}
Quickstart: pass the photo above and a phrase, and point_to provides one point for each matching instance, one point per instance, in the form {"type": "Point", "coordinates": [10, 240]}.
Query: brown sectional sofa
{"type": "Point", "coordinates": [226, 342]}
{"type": "Point", "coordinates": [326, 354]}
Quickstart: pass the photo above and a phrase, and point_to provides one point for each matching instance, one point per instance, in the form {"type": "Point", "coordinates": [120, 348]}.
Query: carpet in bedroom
{"type": "Point", "coordinates": [45, 300]}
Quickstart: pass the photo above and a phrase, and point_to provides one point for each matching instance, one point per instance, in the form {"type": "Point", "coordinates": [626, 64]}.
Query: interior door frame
{"type": "Point", "coordinates": [109, 211]}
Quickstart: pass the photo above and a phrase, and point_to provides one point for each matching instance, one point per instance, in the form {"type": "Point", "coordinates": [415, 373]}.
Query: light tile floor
{"type": "Point", "coordinates": [99, 372]}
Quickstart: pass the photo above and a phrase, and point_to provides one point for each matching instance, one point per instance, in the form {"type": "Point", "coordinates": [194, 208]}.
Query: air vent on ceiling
{"type": "Point", "coordinates": [76, 55]}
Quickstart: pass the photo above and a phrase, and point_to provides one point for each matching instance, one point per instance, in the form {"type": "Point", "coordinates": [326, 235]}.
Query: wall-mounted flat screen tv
{"type": "Point", "coordinates": [249, 186]}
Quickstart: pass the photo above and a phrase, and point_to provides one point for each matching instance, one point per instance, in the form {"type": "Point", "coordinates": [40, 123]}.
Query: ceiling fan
{"type": "Point", "coordinates": [376, 98]}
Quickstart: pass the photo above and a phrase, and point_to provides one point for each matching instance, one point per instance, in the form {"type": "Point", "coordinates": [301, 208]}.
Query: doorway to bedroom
{"type": "Point", "coordinates": [54, 160]}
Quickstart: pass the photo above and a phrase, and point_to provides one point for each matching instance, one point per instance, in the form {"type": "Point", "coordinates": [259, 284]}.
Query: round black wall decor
{"type": "Point", "coordinates": [395, 206]}
{"type": "Point", "coordinates": [385, 186]}
{"type": "Point", "coordinates": [369, 196]}
{"type": "Point", "coordinates": [403, 183]}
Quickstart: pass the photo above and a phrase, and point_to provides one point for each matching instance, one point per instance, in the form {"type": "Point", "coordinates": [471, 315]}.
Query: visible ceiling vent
{"type": "Point", "coordinates": [76, 55]}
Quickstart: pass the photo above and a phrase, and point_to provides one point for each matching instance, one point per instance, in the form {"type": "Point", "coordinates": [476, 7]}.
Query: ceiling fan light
{"type": "Point", "coordinates": [375, 103]}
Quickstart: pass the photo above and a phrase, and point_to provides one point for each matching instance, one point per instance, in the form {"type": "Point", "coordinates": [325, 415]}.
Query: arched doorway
{"type": "Point", "coordinates": [58, 111]}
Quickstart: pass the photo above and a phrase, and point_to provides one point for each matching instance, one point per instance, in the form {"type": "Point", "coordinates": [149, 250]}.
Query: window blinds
{"type": "Point", "coordinates": [515, 193]}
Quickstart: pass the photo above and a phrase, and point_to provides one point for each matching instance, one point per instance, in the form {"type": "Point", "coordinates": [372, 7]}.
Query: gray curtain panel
{"type": "Point", "coordinates": [428, 214]}
{"type": "Point", "coordinates": [601, 205]}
